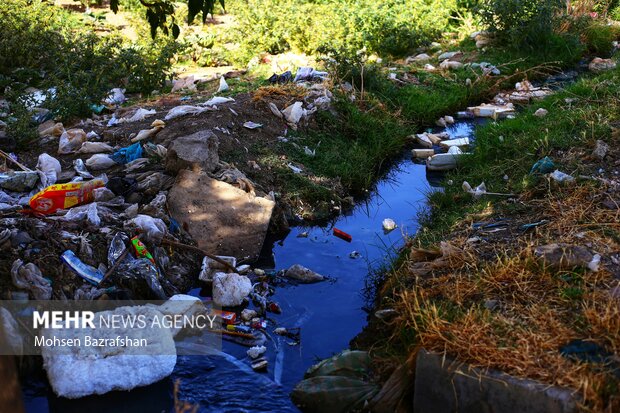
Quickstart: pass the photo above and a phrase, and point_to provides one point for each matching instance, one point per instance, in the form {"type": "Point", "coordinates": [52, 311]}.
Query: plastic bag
{"type": "Point", "coordinates": [153, 228]}
{"type": "Point", "coordinates": [183, 110]}
{"type": "Point", "coordinates": [141, 114]}
{"type": "Point", "coordinates": [223, 85]}
{"type": "Point", "coordinates": [217, 100]}
{"type": "Point", "coordinates": [54, 130]}
{"type": "Point", "coordinates": [131, 270]}
{"type": "Point", "coordinates": [71, 140]}
{"type": "Point", "coordinates": [80, 213]}
{"type": "Point", "coordinates": [81, 170]}
{"type": "Point", "coordinates": [293, 113]}
{"type": "Point", "coordinates": [116, 97]}
{"type": "Point", "coordinates": [336, 385]}
{"type": "Point", "coordinates": [100, 161]}
{"type": "Point", "coordinates": [50, 167]}
{"type": "Point", "coordinates": [184, 83]}
{"type": "Point", "coordinates": [128, 154]}
{"type": "Point", "coordinates": [64, 196]}
{"type": "Point", "coordinates": [95, 147]}
{"type": "Point", "coordinates": [29, 277]}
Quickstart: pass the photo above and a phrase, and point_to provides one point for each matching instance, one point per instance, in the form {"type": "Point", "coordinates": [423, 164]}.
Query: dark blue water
{"type": "Point", "coordinates": [329, 314]}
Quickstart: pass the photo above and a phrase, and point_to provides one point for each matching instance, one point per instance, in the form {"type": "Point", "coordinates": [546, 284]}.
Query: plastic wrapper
{"type": "Point", "coordinates": [29, 277]}
{"type": "Point", "coordinates": [64, 196]}
{"type": "Point", "coordinates": [80, 169]}
{"type": "Point", "coordinates": [87, 272]}
{"type": "Point", "coordinates": [88, 212]}
{"type": "Point", "coordinates": [95, 147]}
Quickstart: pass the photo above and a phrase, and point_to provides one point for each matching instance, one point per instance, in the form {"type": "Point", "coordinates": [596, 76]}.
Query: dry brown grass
{"type": "Point", "coordinates": [536, 315]}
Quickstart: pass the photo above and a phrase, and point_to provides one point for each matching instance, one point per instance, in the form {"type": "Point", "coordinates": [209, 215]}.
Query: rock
{"type": "Point", "coordinates": [281, 331]}
{"type": "Point", "coordinates": [491, 305]}
{"type": "Point", "coordinates": [448, 55]}
{"type": "Point", "coordinates": [303, 274]}
{"type": "Point", "coordinates": [386, 313]}
{"type": "Point", "coordinates": [221, 218]}
{"type": "Point", "coordinates": [79, 371]}
{"type": "Point", "coordinates": [429, 67]}
{"type": "Point", "coordinates": [256, 351]}
{"type": "Point", "coordinates": [248, 314]}
{"type": "Point", "coordinates": [600, 65]}
{"type": "Point", "coordinates": [541, 113]}
{"type": "Point", "coordinates": [19, 181]}
{"type": "Point", "coordinates": [563, 256]}
{"type": "Point", "coordinates": [451, 65]}
{"type": "Point", "coordinates": [229, 290]}
{"type": "Point", "coordinates": [600, 150]}
{"type": "Point", "coordinates": [197, 152]}
{"type": "Point", "coordinates": [422, 57]}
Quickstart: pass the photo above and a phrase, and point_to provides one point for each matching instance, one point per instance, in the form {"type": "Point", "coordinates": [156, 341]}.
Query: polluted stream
{"type": "Point", "coordinates": [329, 314]}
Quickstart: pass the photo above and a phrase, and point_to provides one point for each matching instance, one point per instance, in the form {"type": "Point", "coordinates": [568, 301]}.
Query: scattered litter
{"type": "Point", "coordinates": [187, 83]}
{"type": "Point", "coordinates": [95, 147]}
{"type": "Point", "coordinates": [354, 255]}
{"type": "Point", "coordinates": [217, 100]}
{"type": "Point", "coordinates": [256, 351]}
{"type": "Point", "coordinates": [302, 274]}
{"type": "Point", "coordinates": [388, 225]}
{"type": "Point", "coordinates": [230, 290]}
{"type": "Point", "coordinates": [29, 277]}
{"type": "Point", "coordinates": [342, 235]}
{"type": "Point", "coordinates": [100, 161]}
{"type": "Point", "coordinates": [599, 65]}
{"type": "Point", "coordinates": [294, 168]}
{"type": "Point", "coordinates": [600, 150]}
{"type": "Point", "coordinates": [308, 73]}
{"type": "Point", "coordinates": [252, 125]}
{"type": "Point", "coordinates": [543, 166]}
{"type": "Point", "coordinates": [71, 140]}
{"type": "Point", "coordinates": [64, 196]}
{"type": "Point", "coordinates": [116, 97]}
{"type": "Point", "coordinates": [141, 114]}
{"type": "Point", "coordinates": [480, 190]}
{"type": "Point", "coordinates": [50, 168]}
{"type": "Point", "coordinates": [223, 85]}
{"type": "Point", "coordinates": [127, 154]}
{"type": "Point", "coordinates": [184, 110]}
{"type": "Point", "coordinates": [561, 177]}
{"type": "Point", "coordinates": [282, 78]}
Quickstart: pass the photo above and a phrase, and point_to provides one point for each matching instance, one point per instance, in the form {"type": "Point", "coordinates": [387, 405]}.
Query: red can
{"type": "Point", "coordinates": [342, 235]}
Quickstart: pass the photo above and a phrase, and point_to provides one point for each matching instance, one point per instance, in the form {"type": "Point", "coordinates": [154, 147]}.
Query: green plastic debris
{"type": "Point", "coordinates": [338, 384]}
{"type": "Point", "coordinates": [543, 166]}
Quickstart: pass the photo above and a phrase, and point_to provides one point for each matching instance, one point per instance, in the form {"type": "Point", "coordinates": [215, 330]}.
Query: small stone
{"type": "Point", "coordinates": [491, 304]}
{"type": "Point", "coordinates": [197, 152]}
{"type": "Point", "coordinates": [303, 274]}
{"type": "Point", "coordinates": [259, 272]}
{"type": "Point", "coordinates": [600, 150]}
{"type": "Point", "coordinates": [541, 113]}
{"type": "Point", "coordinates": [563, 256]}
{"type": "Point", "coordinates": [281, 331]}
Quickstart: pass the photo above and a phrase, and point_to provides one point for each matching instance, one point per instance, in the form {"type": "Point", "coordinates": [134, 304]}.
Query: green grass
{"type": "Point", "coordinates": [512, 146]}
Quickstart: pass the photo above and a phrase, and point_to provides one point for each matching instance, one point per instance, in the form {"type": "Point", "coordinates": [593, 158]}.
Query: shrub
{"type": "Point", "coordinates": [390, 27]}
{"type": "Point", "coordinates": [521, 23]}
{"type": "Point", "coordinates": [44, 46]}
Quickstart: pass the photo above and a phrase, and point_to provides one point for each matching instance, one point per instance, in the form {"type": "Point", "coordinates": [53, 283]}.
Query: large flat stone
{"type": "Point", "coordinates": [197, 152]}
{"type": "Point", "coordinates": [443, 385]}
{"type": "Point", "coordinates": [222, 219]}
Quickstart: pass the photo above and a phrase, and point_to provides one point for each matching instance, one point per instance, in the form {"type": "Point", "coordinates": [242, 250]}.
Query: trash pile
{"type": "Point", "coordinates": [127, 205]}
{"type": "Point", "coordinates": [432, 143]}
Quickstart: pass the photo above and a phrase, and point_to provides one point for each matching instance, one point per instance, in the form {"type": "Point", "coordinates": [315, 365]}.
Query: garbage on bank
{"type": "Point", "coordinates": [114, 220]}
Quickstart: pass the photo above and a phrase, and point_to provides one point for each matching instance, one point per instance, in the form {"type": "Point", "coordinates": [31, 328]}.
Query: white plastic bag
{"type": "Point", "coordinates": [293, 113]}
{"type": "Point", "coordinates": [223, 85]}
{"type": "Point", "coordinates": [71, 140]}
{"type": "Point", "coordinates": [50, 168]}
{"type": "Point", "coordinates": [95, 147]}
{"type": "Point", "coordinates": [140, 114]}
{"type": "Point", "coordinates": [183, 110]}
{"type": "Point", "coordinates": [100, 161]}
{"type": "Point", "coordinates": [154, 228]}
